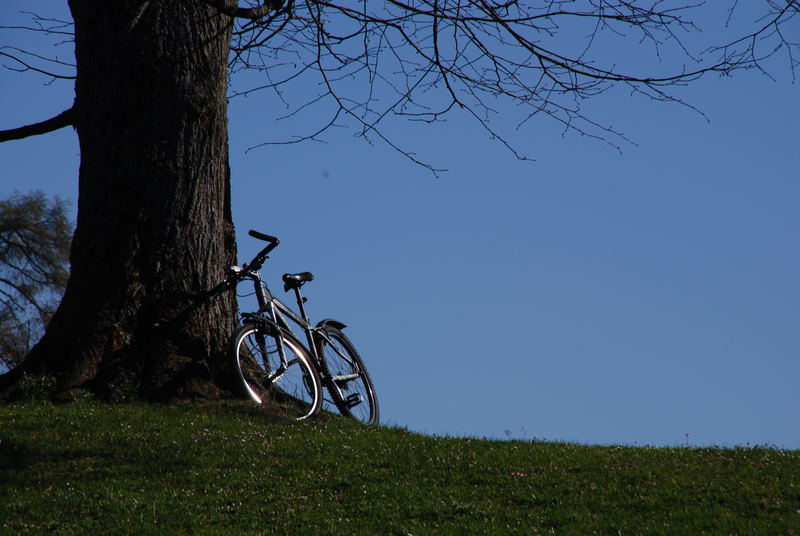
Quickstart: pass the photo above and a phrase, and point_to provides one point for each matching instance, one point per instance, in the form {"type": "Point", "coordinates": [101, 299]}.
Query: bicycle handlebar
{"type": "Point", "coordinates": [259, 259]}
{"type": "Point", "coordinates": [264, 237]}
{"type": "Point", "coordinates": [235, 274]}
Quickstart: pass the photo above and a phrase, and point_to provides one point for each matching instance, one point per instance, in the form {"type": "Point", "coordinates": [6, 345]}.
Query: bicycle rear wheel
{"type": "Point", "coordinates": [347, 379]}
{"type": "Point", "coordinates": [291, 386]}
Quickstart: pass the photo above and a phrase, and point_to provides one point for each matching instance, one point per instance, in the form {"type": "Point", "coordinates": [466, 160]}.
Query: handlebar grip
{"type": "Point", "coordinates": [265, 237]}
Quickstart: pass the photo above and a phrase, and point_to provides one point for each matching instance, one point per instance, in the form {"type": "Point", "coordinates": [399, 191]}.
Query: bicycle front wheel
{"type": "Point", "coordinates": [346, 377]}
{"type": "Point", "coordinates": [289, 383]}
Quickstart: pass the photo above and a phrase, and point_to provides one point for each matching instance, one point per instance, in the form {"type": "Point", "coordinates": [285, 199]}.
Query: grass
{"type": "Point", "coordinates": [91, 468]}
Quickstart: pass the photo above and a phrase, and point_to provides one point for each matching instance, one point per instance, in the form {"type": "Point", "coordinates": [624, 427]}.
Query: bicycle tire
{"type": "Point", "coordinates": [297, 392]}
{"type": "Point", "coordinates": [346, 377]}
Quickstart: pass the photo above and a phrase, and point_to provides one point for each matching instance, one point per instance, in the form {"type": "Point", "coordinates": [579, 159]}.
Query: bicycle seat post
{"type": "Point", "coordinates": [300, 303]}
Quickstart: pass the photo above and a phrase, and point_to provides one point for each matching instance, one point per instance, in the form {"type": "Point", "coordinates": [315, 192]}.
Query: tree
{"type": "Point", "coordinates": [34, 252]}
{"type": "Point", "coordinates": [154, 228]}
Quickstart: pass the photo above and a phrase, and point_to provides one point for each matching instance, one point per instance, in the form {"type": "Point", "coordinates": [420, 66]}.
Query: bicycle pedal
{"type": "Point", "coordinates": [353, 400]}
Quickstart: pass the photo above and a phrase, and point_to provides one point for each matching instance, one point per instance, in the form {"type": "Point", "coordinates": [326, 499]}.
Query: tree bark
{"type": "Point", "coordinates": [154, 225]}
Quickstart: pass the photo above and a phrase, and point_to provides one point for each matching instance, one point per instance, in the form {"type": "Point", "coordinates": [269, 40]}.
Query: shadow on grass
{"type": "Point", "coordinates": [14, 458]}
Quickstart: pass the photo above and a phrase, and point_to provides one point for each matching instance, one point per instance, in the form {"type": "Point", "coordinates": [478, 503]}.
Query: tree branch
{"type": "Point", "coordinates": [62, 120]}
{"type": "Point", "coordinates": [28, 67]}
{"type": "Point", "coordinates": [251, 13]}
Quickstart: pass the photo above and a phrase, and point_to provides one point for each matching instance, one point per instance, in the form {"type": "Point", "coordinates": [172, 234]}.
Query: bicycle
{"type": "Point", "coordinates": [272, 364]}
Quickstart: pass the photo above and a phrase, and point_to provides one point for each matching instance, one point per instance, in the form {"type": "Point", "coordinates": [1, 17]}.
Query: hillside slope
{"type": "Point", "coordinates": [91, 468]}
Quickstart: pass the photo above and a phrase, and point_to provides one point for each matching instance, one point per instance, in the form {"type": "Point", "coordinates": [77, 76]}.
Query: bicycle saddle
{"type": "Point", "coordinates": [296, 280]}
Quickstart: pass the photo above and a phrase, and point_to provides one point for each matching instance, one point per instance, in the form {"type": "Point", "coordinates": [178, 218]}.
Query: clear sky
{"type": "Point", "coordinates": [648, 297]}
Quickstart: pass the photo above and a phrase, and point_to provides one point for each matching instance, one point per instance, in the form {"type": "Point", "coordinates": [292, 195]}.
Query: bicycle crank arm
{"type": "Point", "coordinates": [344, 378]}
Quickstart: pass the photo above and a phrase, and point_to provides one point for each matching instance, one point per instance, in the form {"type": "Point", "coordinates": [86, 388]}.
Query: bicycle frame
{"type": "Point", "coordinates": [277, 311]}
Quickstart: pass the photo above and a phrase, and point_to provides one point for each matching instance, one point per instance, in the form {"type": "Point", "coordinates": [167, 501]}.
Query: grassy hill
{"type": "Point", "coordinates": [91, 468]}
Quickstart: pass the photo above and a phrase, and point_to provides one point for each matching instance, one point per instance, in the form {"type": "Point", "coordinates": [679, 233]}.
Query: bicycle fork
{"type": "Point", "coordinates": [284, 363]}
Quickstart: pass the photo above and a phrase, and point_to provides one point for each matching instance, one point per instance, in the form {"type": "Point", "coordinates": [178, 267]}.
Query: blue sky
{"type": "Point", "coordinates": [648, 297]}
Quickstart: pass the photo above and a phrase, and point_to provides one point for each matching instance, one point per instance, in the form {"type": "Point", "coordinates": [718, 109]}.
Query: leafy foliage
{"type": "Point", "coordinates": [90, 468]}
{"type": "Point", "coordinates": [34, 254]}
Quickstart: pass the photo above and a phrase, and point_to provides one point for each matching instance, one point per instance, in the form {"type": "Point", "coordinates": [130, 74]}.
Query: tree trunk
{"type": "Point", "coordinates": [154, 223]}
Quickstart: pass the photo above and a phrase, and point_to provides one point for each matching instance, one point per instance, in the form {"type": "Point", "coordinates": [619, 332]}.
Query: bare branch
{"type": "Point", "coordinates": [424, 59]}
{"type": "Point", "coordinates": [251, 13]}
{"type": "Point", "coordinates": [62, 120]}
{"type": "Point", "coordinates": [45, 25]}
{"type": "Point", "coordinates": [440, 56]}
{"type": "Point", "coordinates": [28, 67]}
